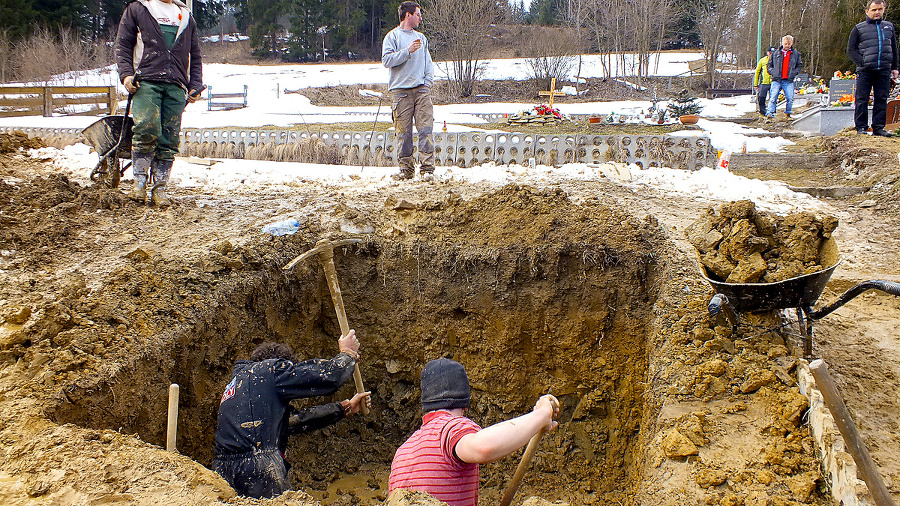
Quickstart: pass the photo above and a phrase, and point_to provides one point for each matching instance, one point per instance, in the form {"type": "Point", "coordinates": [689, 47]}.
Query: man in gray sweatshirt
{"type": "Point", "coordinates": [405, 53]}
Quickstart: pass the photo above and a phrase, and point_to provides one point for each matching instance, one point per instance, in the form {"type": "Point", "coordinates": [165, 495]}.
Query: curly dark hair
{"type": "Point", "coordinates": [269, 350]}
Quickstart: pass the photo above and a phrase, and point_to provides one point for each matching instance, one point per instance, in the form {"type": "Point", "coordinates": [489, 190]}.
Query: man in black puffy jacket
{"type": "Point", "coordinates": [256, 418]}
{"type": "Point", "coordinates": [873, 48]}
{"type": "Point", "coordinates": [157, 41]}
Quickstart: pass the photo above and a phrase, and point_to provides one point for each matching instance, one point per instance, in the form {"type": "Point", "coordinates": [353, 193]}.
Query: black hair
{"type": "Point", "coordinates": [269, 350]}
{"type": "Point", "coordinates": [407, 7]}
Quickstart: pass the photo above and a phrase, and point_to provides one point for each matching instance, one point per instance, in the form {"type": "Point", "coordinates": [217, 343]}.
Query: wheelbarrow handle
{"type": "Point", "coordinates": [889, 287]}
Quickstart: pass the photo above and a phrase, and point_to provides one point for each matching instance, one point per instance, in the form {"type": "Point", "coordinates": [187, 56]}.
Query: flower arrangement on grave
{"type": "Point", "coordinates": [844, 75]}
{"type": "Point", "coordinates": [544, 109]}
{"type": "Point", "coordinates": [844, 101]}
{"type": "Point", "coordinates": [541, 113]}
{"type": "Point", "coordinates": [683, 104]}
{"type": "Point", "coordinates": [817, 86]}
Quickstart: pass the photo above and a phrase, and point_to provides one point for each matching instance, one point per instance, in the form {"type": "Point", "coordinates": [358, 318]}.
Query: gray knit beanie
{"type": "Point", "coordinates": [445, 385]}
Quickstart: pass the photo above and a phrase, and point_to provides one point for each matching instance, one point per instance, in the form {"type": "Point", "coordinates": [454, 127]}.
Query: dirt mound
{"type": "Point", "coordinates": [739, 244]}
{"type": "Point", "coordinates": [49, 211]}
{"type": "Point", "coordinates": [19, 140]}
{"type": "Point", "coordinates": [864, 160]}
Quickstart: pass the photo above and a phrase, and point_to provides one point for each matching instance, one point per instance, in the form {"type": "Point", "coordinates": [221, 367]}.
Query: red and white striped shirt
{"type": "Point", "coordinates": [426, 462]}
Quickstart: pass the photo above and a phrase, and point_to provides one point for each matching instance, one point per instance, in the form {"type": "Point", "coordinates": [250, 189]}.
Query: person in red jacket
{"type": "Point", "coordinates": [157, 42]}
{"type": "Point", "coordinates": [443, 456]}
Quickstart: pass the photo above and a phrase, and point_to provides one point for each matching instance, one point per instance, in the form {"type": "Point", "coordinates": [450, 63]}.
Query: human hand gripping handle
{"type": "Point", "coordinates": [550, 406]}
{"type": "Point", "coordinates": [354, 405]}
{"type": "Point", "coordinates": [131, 83]}
{"type": "Point", "coordinates": [349, 344]}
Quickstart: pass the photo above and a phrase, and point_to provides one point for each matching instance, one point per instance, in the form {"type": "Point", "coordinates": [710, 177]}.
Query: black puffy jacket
{"type": "Point", "coordinates": [795, 65]}
{"type": "Point", "coordinates": [140, 47]}
{"type": "Point", "coordinates": [254, 411]}
{"type": "Point", "coordinates": [873, 45]}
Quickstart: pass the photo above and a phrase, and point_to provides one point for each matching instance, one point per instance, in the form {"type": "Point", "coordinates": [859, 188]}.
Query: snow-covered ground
{"type": "Point", "coordinates": [275, 98]}
{"type": "Point", "coordinates": [269, 104]}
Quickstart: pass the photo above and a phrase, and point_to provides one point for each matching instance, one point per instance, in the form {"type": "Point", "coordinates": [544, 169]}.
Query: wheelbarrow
{"type": "Point", "coordinates": [111, 138]}
{"type": "Point", "coordinates": [800, 292]}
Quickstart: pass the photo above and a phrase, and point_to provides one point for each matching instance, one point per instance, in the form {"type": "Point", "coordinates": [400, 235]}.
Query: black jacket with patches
{"type": "Point", "coordinates": [873, 45]}
{"type": "Point", "coordinates": [255, 414]}
{"type": "Point", "coordinates": [140, 47]}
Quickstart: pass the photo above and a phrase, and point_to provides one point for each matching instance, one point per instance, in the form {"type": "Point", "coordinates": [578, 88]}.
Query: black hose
{"type": "Point", "coordinates": [889, 287]}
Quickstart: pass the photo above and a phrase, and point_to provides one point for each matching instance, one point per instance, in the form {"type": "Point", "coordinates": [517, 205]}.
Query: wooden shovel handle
{"type": "Point", "coordinates": [523, 465]}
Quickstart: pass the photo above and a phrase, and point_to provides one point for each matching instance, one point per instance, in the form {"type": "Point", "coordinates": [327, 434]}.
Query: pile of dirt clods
{"type": "Point", "coordinates": [739, 244]}
{"type": "Point", "coordinates": [18, 139]}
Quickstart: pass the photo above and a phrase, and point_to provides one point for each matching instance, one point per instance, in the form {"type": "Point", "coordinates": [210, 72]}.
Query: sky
{"type": "Point", "coordinates": [268, 104]}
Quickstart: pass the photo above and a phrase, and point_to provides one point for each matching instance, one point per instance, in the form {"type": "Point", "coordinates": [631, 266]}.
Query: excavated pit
{"type": "Point", "coordinates": [531, 292]}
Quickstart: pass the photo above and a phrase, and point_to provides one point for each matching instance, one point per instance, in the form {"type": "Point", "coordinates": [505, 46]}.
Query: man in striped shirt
{"type": "Point", "coordinates": [443, 456]}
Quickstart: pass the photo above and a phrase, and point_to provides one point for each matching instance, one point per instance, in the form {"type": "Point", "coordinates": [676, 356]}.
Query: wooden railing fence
{"type": "Point", "coordinates": [47, 100]}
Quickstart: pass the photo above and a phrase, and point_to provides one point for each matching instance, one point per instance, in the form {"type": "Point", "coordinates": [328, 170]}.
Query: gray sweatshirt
{"type": "Point", "coordinates": [406, 70]}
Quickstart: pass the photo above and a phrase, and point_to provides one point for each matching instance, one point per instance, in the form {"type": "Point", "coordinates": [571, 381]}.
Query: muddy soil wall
{"type": "Point", "coordinates": [564, 316]}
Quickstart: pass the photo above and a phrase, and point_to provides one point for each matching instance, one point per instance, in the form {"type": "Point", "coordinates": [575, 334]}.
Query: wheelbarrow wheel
{"type": "Point", "coordinates": [109, 174]}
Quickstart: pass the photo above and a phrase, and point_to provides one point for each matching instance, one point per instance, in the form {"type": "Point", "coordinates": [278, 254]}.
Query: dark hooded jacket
{"type": "Point", "coordinates": [795, 65]}
{"type": "Point", "coordinates": [873, 45]}
{"type": "Point", "coordinates": [254, 412]}
{"type": "Point", "coordinates": [141, 48]}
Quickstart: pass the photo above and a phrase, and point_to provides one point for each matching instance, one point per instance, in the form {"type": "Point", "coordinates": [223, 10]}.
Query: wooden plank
{"type": "Point", "coordinates": [56, 89]}
{"type": "Point", "coordinates": [8, 114]}
{"type": "Point", "coordinates": [18, 90]}
{"type": "Point", "coordinates": [18, 102]}
{"type": "Point", "coordinates": [92, 112]}
{"type": "Point", "coordinates": [58, 101]}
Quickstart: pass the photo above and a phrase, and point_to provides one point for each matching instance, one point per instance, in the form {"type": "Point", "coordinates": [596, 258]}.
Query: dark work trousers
{"type": "Point", "coordinates": [878, 82]}
{"type": "Point", "coordinates": [257, 474]}
{"type": "Point", "coordinates": [157, 109]}
{"type": "Point", "coordinates": [762, 97]}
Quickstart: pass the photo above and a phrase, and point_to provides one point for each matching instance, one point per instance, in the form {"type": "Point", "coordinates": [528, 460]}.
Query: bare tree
{"type": "Point", "coordinates": [459, 32]}
{"type": "Point", "coordinates": [6, 53]}
{"type": "Point", "coordinates": [716, 20]}
{"type": "Point", "coordinates": [553, 55]}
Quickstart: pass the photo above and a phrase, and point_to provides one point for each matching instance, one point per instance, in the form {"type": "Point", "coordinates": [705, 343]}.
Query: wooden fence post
{"type": "Point", "coordinates": [113, 101]}
{"type": "Point", "coordinates": [48, 101]}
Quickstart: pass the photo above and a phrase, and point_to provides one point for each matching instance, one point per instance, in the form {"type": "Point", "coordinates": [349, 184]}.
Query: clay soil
{"type": "Point", "coordinates": [588, 290]}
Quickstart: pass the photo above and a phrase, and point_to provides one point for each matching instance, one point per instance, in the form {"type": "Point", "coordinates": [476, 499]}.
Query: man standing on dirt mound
{"type": "Point", "coordinates": [405, 53]}
{"type": "Point", "coordinates": [443, 456]}
{"type": "Point", "coordinates": [873, 48]}
{"type": "Point", "coordinates": [157, 41]}
{"type": "Point", "coordinates": [256, 418]}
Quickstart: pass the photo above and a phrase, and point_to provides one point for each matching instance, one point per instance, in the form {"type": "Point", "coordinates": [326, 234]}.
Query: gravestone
{"type": "Point", "coordinates": [839, 87]}
{"type": "Point", "coordinates": [801, 80]}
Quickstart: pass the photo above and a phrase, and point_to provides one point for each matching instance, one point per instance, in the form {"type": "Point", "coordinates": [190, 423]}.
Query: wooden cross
{"type": "Point", "coordinates": [552, 93]}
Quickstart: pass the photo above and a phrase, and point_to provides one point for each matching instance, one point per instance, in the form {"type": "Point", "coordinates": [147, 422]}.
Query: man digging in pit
{"type": "Point", "coordinates": [256, 418]}
{"type": "Point", "coordinates": [443, 456]}
{"type": "Point", "coordinates": [157, 40]}
{"type": "Point", "coordinates": [405, 52]}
